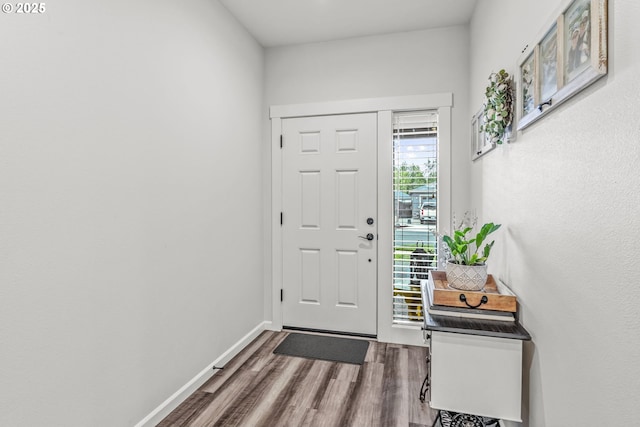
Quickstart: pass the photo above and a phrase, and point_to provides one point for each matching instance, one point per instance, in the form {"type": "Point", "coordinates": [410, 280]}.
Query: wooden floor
{"type": "Point", "coordinates": [259, 388]}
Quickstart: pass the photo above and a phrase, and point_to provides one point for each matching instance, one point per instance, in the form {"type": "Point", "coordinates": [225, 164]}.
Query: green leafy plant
{"type": "Point", "coordinates": [498, 109]}
{"type": "Point", "coordinates": [466, 250]}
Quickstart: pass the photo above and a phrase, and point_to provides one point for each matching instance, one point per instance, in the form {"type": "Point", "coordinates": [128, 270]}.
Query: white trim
{"type": "Point", "coordinates": [385, 222]}
{"type": "Point", "coordinates": [190, 387]}
{"type": "Point", "coordinates": [444, 168]}
{"type": "Point", "coordinates": [387, 331]}
{"type": "Point", "coordinates": [384, 107]}
{"type": "Point", "coordinates": [396, 103]}
{"type": "Point", "coordinates": [404, 334]}
{"type": "Point", "coordinates": [276, 231]}
{"type": "Point", "coordinates": [268, 326]}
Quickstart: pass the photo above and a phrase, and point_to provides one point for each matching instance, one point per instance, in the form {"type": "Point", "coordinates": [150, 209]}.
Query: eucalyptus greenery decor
{"type": "Point", "coordinates": [498, 110]}
{"type": "Point", "coordinates": [461, 246]}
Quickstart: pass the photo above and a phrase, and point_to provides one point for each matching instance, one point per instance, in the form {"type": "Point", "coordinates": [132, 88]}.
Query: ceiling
{"type": "Point", "coordinates": [284, 22]}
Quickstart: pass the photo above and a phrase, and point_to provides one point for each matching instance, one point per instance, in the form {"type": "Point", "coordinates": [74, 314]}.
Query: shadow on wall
{"type": "Point", "coordinates": [529, 352]}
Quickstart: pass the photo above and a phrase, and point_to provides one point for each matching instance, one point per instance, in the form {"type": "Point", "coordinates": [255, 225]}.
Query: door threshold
{"type": "Point", "coordinates": [327, 332]}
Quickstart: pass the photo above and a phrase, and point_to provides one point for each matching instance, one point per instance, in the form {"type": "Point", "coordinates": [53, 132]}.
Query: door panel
{"type": "Point", "coordinates": [329, 192]}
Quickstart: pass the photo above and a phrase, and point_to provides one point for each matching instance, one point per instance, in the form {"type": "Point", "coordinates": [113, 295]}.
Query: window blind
{"type": "Point", "coordinates": [415, 190]}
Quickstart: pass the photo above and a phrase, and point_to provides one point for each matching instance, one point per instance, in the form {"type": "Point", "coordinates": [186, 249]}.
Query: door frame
{"type": "Point", "coordinates": [384, 107]}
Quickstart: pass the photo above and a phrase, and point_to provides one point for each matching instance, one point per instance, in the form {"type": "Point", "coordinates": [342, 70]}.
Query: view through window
{"type": "Point", "coordinates": [415, 190]}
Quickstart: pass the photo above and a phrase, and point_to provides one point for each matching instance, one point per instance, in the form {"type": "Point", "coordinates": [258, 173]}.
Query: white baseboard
{"type": "Point", "coordinates": [269, 326]}
{"type": "Point", "coordinates": [189, 388]}
{"type": "Point", "coordinates": [403, 335]}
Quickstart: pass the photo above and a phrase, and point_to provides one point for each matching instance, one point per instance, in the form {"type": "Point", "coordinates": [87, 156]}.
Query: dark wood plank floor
{"type": "Point", "coordinates": [259, 388]}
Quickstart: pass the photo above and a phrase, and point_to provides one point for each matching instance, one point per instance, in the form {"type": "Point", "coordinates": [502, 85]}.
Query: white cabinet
{"type": "Point", "coordinates": [476, 374]}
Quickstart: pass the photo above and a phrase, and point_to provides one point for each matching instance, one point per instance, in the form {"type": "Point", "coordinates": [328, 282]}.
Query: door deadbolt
{"type": "Point", "coordinates": [370, 221]}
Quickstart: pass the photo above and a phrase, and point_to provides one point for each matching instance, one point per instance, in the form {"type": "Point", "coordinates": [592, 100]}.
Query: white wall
{"type": "Point", "coordinates": [130, 237]}
{"type": "Point", "coordinates": [411, 63]}
{"type": "Point", "coordinates": [567, 194]}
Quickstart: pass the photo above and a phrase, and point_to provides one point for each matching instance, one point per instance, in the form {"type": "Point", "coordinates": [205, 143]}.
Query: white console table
{"type": "Point", "coordinates": [475, 366]}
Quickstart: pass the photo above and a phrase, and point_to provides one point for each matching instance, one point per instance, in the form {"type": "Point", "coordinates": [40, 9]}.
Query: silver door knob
{"type": "Point", "coordinates": [369, 236]}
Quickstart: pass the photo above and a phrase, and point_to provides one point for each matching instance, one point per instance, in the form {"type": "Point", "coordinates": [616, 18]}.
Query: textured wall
{"type": "Point", "coordinates": [130, 250]}
{"type": "Point", "coordinates": [567, 194]}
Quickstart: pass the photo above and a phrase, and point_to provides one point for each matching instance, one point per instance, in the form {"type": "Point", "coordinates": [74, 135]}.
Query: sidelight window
{"type": "Point", "coordinates": [415, 201]}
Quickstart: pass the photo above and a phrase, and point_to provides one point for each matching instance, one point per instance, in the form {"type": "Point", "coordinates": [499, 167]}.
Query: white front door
{"type": "Point", "coordinates": [329, 189]}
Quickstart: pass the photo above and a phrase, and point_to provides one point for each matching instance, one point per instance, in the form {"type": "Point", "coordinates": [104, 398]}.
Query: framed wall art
{"type": "Point", "coordinates": [570, 55]}
{"type": "Point", "coordinates": [528, 85]}
{"type": "Point", "coordinates": [480, 145]}
{"type": "Point", "coordinates": [549, 72]}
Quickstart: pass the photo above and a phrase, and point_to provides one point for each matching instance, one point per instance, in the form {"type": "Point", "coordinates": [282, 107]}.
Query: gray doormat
{"type": "Point", "coordinates": [321, 347]}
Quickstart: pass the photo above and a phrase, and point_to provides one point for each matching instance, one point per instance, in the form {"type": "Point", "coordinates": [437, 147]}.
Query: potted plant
{"type": "Point", "coordinates": [466, 269]}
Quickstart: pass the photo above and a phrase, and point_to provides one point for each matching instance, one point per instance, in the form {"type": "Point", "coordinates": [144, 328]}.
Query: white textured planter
{"type": "Point", "coordinates": [466, 277]}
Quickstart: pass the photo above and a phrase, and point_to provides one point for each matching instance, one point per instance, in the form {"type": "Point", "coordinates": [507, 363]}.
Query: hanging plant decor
{"type": "Point", "coordinates": [498, 110]}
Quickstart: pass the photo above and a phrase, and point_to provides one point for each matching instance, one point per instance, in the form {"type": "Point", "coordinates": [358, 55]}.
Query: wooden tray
{"type": "Point", "coordinates": [499, 297]}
